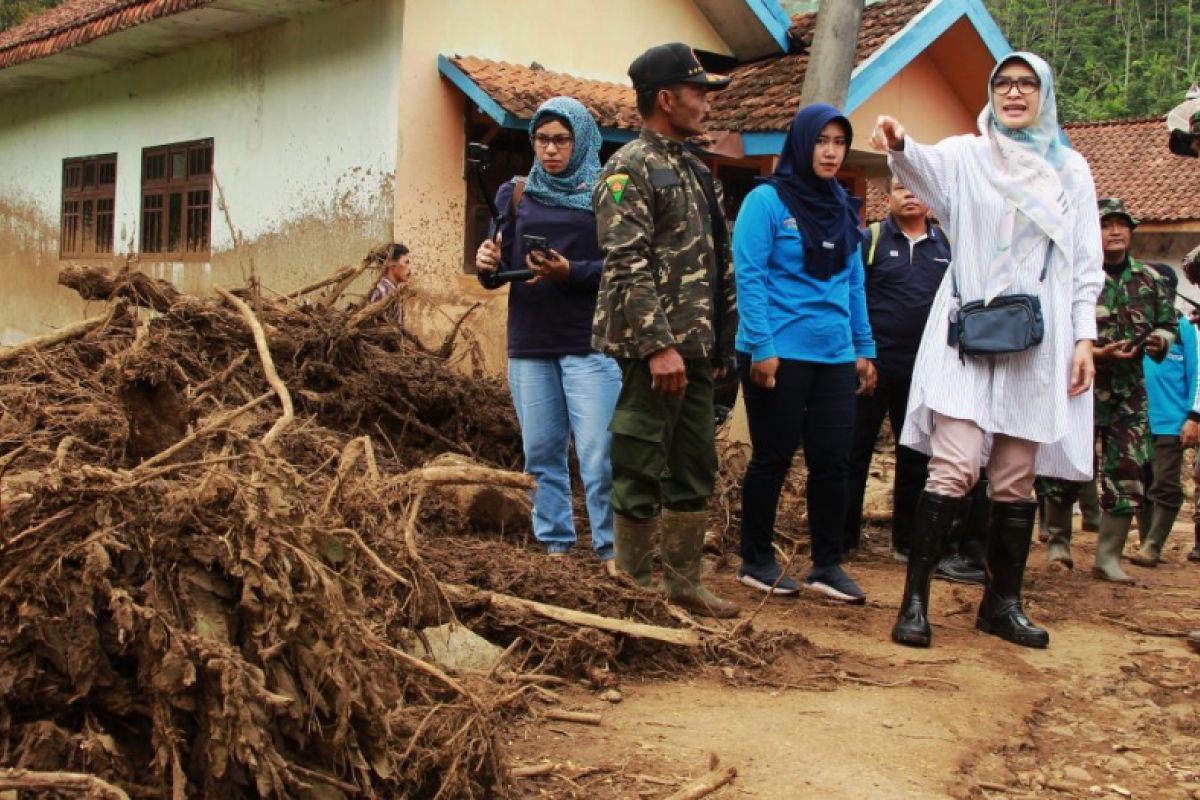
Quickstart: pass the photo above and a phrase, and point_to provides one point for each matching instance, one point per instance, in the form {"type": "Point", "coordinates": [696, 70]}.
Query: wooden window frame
{"type": "Point", "coordinates": [175, 223]}
{"type": "Point", "coordinates": [88, 211]}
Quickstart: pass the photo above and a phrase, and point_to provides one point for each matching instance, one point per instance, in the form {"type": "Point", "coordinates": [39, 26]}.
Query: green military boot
{"type": "Point", "coordinates": [1058, 525]}
{"type": "Point", "coordinates": [1110, 543]}
{"type": "Point", "coordinates": [633, 547]}
{"type": "Point", "coordinates": [682, 540]}
{"type": "Point", "coordinates": [1161, 520]}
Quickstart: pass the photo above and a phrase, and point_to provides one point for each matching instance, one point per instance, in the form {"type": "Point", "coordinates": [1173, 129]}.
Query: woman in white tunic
{"type": "Point", "coordinates": [1020, 207]}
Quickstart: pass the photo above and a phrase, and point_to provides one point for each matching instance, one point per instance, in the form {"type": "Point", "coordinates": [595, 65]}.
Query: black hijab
{"type": "Point", "coordinates": [823, 211]}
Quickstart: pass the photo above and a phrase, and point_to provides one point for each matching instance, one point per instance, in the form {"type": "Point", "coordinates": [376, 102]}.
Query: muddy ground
{"type": "Point", "coordinates": [1109, 710]}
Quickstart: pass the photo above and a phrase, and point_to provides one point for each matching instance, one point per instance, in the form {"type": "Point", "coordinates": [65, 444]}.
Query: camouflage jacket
{"type": "Point", "coordinates": [1133, 304]}
{"type": "Point", "coordinates": [659, 281]}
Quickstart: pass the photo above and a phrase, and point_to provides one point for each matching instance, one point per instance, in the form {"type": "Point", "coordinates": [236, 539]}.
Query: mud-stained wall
{"type": "Point", "coordinates": [582, 37]}
{"type": "Point", "coordinates": [304, 118]}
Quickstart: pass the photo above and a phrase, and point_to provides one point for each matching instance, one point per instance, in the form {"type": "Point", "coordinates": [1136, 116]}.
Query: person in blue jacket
{"type": "Point", "coordinates": [562, 389]}
{"type": "Point", "coordinates": [1171, 389]}
{"type": "Point", "coordinates": [803, 347]}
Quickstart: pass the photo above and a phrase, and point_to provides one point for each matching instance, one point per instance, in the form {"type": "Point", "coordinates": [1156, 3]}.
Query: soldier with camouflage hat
{"type": "Point", "coordinates": [1134, 314]}
{"type": "Point", "coordinates": [667, 312]}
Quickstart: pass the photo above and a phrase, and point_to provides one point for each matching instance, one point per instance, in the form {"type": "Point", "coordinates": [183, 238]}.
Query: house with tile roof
{"type": "Point", "coordinates": [208, 140]}
{"type": "Point", "coordinates": [1130, 160]}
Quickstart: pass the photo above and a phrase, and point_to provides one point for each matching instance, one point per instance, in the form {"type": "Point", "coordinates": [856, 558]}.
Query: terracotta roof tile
{"type": "Point", "coordinates": [77, 22]}
{"type": "Point", "coordinates": [1130, 160]}
{"type": "Point", "coordinates": [520, 90]}
{"type": "Point", "coordinates": [766, 94]}
{"type": "Point", "coordinates": [876, 203]}
{"type": "Point", "coordinates": [762, 96]}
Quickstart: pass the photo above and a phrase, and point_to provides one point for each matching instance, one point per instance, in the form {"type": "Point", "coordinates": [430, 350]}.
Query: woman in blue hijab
{"type": "Point", "coordinates": [1020, 207]}
{"type": "Point", "coordinates": [803, 345]}
{"type": "Point", "coordinates": [561, 388]}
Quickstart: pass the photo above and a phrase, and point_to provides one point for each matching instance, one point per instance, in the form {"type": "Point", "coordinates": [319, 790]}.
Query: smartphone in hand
{"type": "Point", "coordinates": [535, 245]}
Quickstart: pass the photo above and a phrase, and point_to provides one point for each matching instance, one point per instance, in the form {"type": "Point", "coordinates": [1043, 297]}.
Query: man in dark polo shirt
{"type": "Point", "coordinates": [905, 258]}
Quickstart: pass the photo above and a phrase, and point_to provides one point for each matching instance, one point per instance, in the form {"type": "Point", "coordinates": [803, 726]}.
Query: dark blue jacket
{"type": "Point", "coordinates": [900, 292]}
{"type": "Point", "coordinates": [549, 319]}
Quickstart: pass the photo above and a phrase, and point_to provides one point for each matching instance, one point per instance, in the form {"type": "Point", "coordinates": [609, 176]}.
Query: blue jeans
{"type": "Point", "coordinates": [558, 399]}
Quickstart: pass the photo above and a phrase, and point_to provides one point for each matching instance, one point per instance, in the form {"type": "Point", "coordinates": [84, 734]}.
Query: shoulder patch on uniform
{"type": "Point", "coordinates": [616, 186]}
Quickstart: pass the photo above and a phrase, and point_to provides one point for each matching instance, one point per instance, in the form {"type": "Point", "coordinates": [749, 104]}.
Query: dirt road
{"type": "Point", "coordinates": [1111, 709]}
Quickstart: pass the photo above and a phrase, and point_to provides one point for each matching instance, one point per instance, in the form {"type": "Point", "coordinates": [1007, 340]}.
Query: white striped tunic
{"type": "Point", "coordinates": [1023, 395]}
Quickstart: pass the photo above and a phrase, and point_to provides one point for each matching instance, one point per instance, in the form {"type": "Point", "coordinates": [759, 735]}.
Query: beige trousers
{"type": "Point", "coordinates": [958, 457]}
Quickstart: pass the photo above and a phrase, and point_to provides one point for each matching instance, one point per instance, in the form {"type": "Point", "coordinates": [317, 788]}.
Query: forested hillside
{"type": "Point", "coordinates": [1113, 58]}
{"type": "Point", "coordinates": [14, 11]}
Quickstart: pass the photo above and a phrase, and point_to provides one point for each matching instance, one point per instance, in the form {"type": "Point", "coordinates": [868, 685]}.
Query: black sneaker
{"type": "Point", "coordinates": [834, 582]}
{"type": "Point", "coordinates": [769, 578]}
{"type": "Point", "coordinates": [958, 569]}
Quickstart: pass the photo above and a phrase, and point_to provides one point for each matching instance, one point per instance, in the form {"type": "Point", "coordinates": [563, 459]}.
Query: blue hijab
{"type": "Point", "coordinates": [1043, 135]}
{"type": "Point", "coordinates": [823, 212]}
{"type": "Point", "coordinates": [571, 188]}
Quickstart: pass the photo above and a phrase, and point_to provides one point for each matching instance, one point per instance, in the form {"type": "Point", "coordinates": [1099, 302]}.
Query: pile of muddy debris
{"type": "Point", "coordinates": [229, 530]}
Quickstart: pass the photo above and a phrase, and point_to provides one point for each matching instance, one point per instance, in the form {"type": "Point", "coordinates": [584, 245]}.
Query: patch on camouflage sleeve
{"type": "Point", "coordinates": [616, 186]}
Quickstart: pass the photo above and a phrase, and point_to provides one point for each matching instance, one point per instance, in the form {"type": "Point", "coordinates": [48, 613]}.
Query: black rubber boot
{"type": "Point", "coordinates": [931, 524]}
{"type": "Point", "coordinates": [1195, 554]}
{"type": "Point", "coordinates": [1000, 612]}
{"type": "Point", "coordinates": [975, 534]}
{"type": "Point", "coordinates": [955, 564]}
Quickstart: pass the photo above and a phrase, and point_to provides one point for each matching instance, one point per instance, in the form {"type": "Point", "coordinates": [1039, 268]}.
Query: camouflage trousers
{"type": "Point", "coordinates": [663, 449]}
{"type": "Point", "coordinates": [1124, 448]}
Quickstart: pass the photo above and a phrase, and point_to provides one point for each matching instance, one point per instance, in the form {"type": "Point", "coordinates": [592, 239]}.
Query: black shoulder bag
{"type": "Point", "coordinates": [1009, 324]}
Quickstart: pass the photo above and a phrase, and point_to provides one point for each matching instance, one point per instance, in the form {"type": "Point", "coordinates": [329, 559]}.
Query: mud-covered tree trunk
{"type": "Point", "coordinates": [835, 47]}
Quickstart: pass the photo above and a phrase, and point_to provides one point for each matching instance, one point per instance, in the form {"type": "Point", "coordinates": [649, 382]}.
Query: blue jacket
{"type": "Point", "coordinates": [900, 291]}
{"type": "Point", "coordinates": [548, 319]}
{"type": "Point", "coordinates": [782, 310]}
{"type": "Point", "coordinates": [1171, 385]}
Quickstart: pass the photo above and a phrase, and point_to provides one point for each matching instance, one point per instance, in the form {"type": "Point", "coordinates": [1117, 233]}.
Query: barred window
{"type": "Point", "coordinates": [89, 191]}
{"type": "Point", "coordinates": [177, 201]}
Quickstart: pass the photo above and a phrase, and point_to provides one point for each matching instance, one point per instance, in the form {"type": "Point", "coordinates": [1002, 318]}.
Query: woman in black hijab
{"type": "Point", "coordinates": [804, 347]}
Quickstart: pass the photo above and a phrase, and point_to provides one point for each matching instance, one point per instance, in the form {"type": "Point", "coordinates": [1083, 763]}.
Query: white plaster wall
{"type": "Point", "coordinates": [304, 122]}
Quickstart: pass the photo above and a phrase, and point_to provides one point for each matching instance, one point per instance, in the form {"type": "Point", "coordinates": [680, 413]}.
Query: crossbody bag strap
{"type": "Point", "coordinates": [518, 193]}
{"type": "Point", "coordinates": [1041, 278]}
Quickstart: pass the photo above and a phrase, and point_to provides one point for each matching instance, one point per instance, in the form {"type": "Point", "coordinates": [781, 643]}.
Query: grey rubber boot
{"type": "Point", "coordinates": [682, 541]}
{"type": "Point", "coordinates": [1161, 521]}
{"type": "Point", "coordinates": [1110, 543]}
{"type": "Point", "coordinates": [633, 547]}
{"type": "Point", "coordinates": [1058, 525]}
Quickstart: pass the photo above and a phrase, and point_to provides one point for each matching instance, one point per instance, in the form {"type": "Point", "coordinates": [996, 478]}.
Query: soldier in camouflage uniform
{"type": "Point", "coordinates": [1134, 313]}
{"type": "Point", "coordinates": [667, 312]}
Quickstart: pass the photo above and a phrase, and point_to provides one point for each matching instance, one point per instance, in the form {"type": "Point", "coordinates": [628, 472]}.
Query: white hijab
{"type": "Point", "coordinates": [1025, 170]}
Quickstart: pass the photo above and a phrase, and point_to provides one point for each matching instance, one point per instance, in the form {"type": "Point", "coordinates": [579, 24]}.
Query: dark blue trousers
{"type": "Point", "coordinates": [811, 404]}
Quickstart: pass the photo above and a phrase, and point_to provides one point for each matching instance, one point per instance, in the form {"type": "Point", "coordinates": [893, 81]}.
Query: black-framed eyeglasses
{"type": "Point", "coordinates": [561, 141]}
{"type": "Point", "coordinates": [1025, 85]}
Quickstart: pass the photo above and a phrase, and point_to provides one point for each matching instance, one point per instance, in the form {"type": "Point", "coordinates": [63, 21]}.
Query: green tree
{"type": "Point", "coordinates": [14, 12]}
{"type": "Point", "coordinates": [1112, 58]}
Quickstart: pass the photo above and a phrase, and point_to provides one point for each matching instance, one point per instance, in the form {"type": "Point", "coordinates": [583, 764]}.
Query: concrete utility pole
{"type": "Point", "coordinates": [831, 59]}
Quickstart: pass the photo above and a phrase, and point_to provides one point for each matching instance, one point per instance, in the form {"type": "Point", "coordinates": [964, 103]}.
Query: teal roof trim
{"type": "Point", "coordinates": [478, 96]}
{"type": "Point", "coordinates": [923, 31]}
{"type": "Point", "coordinates": [774, 19]}
{"type": "Point", "coordinates": [769, 143]}
{"type": "Point", "coordinates": [494, 110]}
